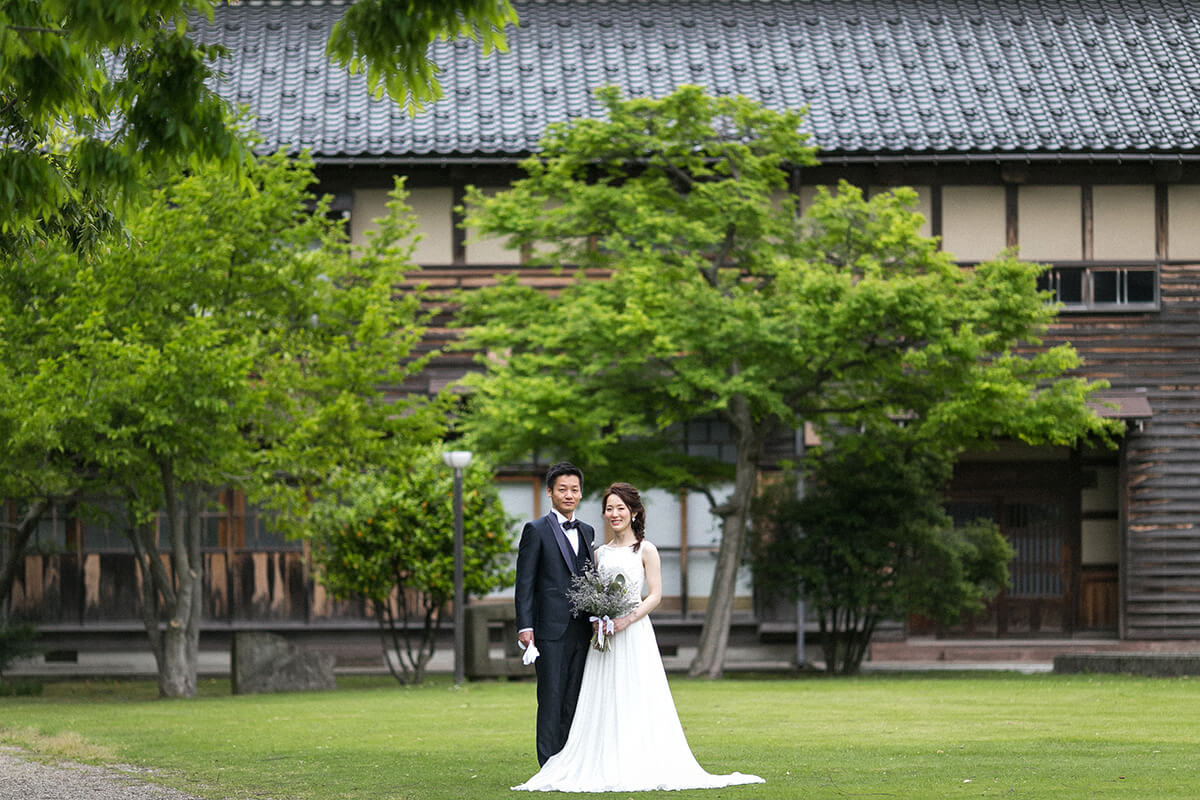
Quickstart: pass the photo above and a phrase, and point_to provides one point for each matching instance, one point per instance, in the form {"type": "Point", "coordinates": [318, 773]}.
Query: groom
{"type": "Point", "coordinates": [552, 549]}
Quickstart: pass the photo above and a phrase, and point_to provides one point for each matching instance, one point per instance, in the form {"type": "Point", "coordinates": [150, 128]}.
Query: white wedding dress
{"type": "Point", "coordinates": [626, 736]}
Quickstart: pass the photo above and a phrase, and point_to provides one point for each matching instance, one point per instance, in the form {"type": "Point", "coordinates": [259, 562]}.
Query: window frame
{"type": "Point", "coordinates": [1089, 269]}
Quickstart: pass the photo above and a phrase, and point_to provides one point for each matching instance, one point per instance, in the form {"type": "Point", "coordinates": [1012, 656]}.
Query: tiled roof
{"type": "Point", "coordinates": [882, 77]}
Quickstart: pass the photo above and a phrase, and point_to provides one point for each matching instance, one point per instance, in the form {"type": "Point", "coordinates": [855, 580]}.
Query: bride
{"type": "Point", "coordinates": [626, 736]}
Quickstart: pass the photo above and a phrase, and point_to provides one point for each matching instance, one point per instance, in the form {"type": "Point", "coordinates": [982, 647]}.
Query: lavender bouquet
{"type": "Point", "coordinates": [603, 595]}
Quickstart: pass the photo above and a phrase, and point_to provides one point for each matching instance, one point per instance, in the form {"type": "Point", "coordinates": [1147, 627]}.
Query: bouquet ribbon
{"type": "Point", "coordinates": [606, 629]}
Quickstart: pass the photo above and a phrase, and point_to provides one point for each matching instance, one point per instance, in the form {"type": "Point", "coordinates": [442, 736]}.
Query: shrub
{"type": "Point", "coordinates": [22, 688]}
{"type": "Point", "coordinates": [16, 641]}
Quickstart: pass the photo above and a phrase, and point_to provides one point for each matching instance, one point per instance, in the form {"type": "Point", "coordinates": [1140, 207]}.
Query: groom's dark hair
{"type": "Point", "coordinates": [562, 468]}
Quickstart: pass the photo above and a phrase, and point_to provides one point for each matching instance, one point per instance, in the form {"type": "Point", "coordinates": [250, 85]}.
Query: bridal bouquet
{"type": "Point", "coordinates": [603, 595]}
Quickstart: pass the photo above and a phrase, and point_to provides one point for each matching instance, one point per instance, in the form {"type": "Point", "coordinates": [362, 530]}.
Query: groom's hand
{"type": "Point", "coordinates": [525, 638]}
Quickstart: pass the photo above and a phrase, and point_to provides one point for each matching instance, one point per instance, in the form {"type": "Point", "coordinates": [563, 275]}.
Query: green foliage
{"type": "Point", "coordinates": [395, 528]}
{"type": "Point", "coordinates": [869, 541]}
{"type": "Point", "coordinates": [16, 642]}
{"type": "Point", "coordinates": [232, 339]}
{"type": "Point", "coordinates": [690, 245]}
{"type": "Point", "coordinates": [102, 100]}
{"type": "Point", "coordinates": [234, 332]}
{"type": "Point", "coordinates": [387, 536]}
{"type": "Point", "coordinates": [718, 299]}
{"type": "Point", "coordinates": [329, 410]}
{"type": "Point", "coordinates": [390, 39]}
{"type": "Point", "coordinates": [99, 96]}
{"type": "Point", "coordinates": [699, 292]}
{"type": "Point", "coordinates": [23, 688]}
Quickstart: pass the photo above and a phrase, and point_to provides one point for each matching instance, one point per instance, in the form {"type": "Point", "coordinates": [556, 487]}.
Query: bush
{"type": "Point", "coordinates": [23, 688]}
{"type": "Point", "coordinates": [16, 641]}
{"type": "Point", "coordinates": [869, 541]}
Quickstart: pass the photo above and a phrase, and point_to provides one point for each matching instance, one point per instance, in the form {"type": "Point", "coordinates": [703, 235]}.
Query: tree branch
{"type": "Point", "coordinates": [16, 558]}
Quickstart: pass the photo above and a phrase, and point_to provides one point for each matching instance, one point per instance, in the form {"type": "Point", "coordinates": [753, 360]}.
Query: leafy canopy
{"type": "Point", "coordinates": [97, 97]}
{"type": "Point", "coordinates": [230, 337]}
{"type": "Point", "coordinates": [100, 100]}
{"type": "Point", "coordinates": [701, 291]}
{"type": "Point", "coordinates": [392, 529]}
{"type": "Point", "coordinates": [386, 536]}
{"type": "Point", "coordinates": [670, 210]}
{"type": "Point", "coordinates": [233, 333]}
{"type": "Point", "coordinates": [389, 40]}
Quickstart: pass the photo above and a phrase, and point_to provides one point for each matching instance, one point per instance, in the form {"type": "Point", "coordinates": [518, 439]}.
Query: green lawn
{"type": "Point", "coordinates": [908, 736]}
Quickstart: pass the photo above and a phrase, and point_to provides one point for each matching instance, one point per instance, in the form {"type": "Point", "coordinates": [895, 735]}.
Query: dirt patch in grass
{"type": "Point", "coordinates": [68, 745]}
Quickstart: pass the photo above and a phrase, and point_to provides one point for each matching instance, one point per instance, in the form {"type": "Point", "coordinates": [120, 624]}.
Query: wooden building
{"type": "Point", "coordinates": [1067, 129]}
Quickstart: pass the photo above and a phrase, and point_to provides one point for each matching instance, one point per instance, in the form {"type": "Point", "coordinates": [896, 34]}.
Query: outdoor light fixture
{"type": "Point", "coordinates": [457, 459]}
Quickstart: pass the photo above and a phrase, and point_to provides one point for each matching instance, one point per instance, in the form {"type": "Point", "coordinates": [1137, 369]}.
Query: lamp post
{"type": "Point", "coordinates": [458, 461]}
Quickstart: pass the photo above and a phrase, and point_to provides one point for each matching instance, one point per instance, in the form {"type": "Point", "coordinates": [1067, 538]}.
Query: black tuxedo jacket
{"type": "Point", "coordinates": [545, 564]}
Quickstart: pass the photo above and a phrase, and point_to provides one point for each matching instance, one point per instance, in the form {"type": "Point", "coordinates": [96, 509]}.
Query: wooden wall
{"type": "Point", "coordinates": [1158, 352]}
{"type": "Point", "coordinates": [261, 587]}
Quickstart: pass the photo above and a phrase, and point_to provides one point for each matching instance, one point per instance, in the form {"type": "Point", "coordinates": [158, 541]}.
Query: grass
{"type": "Point", "coordinates": [946, 735]}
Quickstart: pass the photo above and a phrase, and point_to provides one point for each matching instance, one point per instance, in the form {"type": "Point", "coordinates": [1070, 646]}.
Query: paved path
{"type": "Point", "coordinates": [22, 778]}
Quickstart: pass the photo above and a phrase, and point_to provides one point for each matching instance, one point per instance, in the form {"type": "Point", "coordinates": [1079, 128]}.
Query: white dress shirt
{"type": "Point", "coordinates": [572, 534]}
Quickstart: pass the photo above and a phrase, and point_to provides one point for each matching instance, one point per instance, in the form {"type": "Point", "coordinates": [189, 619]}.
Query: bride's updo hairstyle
{"type": "Point", "coordinates": [633, 501]}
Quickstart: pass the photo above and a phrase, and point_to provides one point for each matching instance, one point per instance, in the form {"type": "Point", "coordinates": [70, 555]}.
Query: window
{"type": "Point", "coordinates": [1103, 288]}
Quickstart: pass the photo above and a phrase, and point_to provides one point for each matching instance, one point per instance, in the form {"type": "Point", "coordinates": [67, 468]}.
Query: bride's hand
{"type": "Point", "coordinates": [621, 623]}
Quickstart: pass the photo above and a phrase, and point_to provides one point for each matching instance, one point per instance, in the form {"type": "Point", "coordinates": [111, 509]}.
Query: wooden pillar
{"type": "Point", "coordinates": [458, 235]}
{"type": "Point", "coordinates": [1012, 236]}
{"type": "Point", "coordinates": [1087, 227]}
{"type": "Point", "coordinates": [1073, 547]}
{"type": "Point", "coordinates": [935, 213]}
{"type": "Point", "coordinates": [1161, 222]}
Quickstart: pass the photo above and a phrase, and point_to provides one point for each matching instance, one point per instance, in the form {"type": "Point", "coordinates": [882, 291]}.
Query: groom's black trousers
{"type": "Point", "coordinates": [559, 676]}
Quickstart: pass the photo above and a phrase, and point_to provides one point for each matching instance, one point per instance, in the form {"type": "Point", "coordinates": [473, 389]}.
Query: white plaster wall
{"type": "Point", "coordinates": [491, 249]}
{"type": "Point", "coordinates": [973, 222]}
{"type": "Point", "coordinates": [1049, 223]}
{"type": "Point", "coordinates": [1123, 223]}
{"type": "Point", "coordinates": [1183, 222]}
{"type": "Point", "coordinates": [433, 210]}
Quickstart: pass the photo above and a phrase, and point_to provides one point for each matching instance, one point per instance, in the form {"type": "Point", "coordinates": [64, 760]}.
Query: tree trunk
{"type": "Point", "coordinates": [181, 640]}
{"type": "Point", "coordinates": [714, 636]}
{"type": "Point", "coordinates": [387, 629]}
{"type": "Point", "coordinates": [15, 559]}
{"type": "Point", "coordinates": [144, 538]}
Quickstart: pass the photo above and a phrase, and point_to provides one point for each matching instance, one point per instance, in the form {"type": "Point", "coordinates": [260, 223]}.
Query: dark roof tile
{"type": "Point", "coordinates": [878, 76]}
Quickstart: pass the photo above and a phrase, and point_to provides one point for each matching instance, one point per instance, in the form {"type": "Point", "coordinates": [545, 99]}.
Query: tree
{"type": "Point", "coordinates": [99, 100]}
{"type": "Point", "coordinates": [387, 537]}
{"type": "Point", "coordinates": [99, 103]}
{"type": "Point", "coordinates": [234, 341]}
{"type": "Point", "coordinates": [700, 291]}
{"type": "Point", "coordinates": [870, 541]}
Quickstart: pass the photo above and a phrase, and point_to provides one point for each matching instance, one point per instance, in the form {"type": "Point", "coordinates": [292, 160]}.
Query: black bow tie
{"type": "Point", "coordinates": [571, 523]}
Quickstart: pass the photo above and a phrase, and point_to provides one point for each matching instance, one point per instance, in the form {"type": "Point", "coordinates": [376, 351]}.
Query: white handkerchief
{"type": "Point", "coordinates": [531, 653]}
